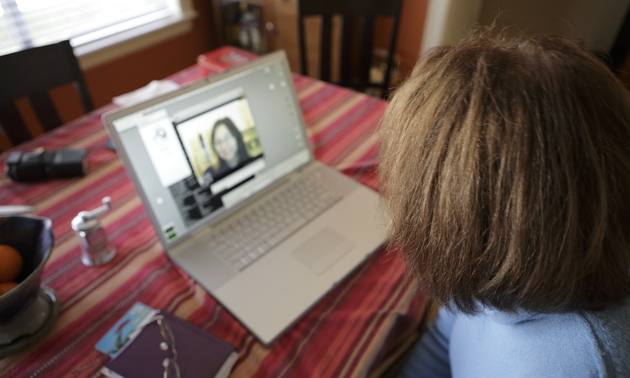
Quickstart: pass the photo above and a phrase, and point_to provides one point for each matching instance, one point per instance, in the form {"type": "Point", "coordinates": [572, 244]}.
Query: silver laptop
{"type": "Point", "coordinates": [224, 170]}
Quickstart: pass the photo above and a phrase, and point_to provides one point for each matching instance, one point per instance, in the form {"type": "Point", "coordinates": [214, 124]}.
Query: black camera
{"type": "Point", "coordinates": [46, 164]}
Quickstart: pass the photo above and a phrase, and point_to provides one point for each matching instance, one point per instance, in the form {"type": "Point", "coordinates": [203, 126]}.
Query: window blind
{"type": "Point", "coordinates": [29, 23]}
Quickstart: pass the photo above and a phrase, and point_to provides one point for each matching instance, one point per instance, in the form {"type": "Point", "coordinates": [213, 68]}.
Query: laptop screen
{"type": "Point", "coordinates": [198, 152]}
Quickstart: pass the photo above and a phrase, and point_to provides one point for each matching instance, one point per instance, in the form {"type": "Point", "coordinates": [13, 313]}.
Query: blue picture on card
{"type": "Point", "coordinates": [118, 335]}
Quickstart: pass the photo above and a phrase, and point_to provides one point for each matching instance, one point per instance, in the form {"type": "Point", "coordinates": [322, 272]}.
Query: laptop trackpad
{"type": "Point", "coordinates": [322, 250]}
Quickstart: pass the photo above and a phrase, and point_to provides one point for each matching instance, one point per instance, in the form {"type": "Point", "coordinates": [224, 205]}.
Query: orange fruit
{"type": "Point", "coordinates": [5, 287]}
{"type": "Point", "coordinates": [10, 263]}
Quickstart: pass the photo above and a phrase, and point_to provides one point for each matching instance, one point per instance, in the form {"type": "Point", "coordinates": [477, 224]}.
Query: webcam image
{"type": "Point", "coordinates": [220, 141]}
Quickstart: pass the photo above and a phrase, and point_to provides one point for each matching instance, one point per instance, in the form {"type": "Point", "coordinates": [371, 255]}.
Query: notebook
{"type": "Point", "coordinates": [198, 353]}
{"type": "Point", "coordinates": [218, 164]}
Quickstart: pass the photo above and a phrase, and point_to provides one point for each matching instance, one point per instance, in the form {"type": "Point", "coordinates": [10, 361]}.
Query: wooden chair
{"type": "Point", "coordinates": [356, 42]}
{"type": "Point", "coordinates": [31, 73]}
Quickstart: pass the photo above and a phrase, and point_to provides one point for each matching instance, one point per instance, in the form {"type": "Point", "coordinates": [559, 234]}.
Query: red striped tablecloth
{"type": "Point", "coordinates": [348, 334]}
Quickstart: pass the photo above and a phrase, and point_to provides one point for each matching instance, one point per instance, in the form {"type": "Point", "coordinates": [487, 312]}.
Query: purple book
{"type": "Point", "coordinates": [199, 353]}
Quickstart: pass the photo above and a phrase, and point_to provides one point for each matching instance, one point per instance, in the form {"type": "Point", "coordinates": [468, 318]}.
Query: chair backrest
{"type": "Point", "coordinates": [357, 38]}
{"type": "Point", "coordinates": [31, 73]}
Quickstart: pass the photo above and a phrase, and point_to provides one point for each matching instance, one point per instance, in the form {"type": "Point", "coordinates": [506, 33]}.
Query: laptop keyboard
{"type": "Point", "coordinates": [253, 233]}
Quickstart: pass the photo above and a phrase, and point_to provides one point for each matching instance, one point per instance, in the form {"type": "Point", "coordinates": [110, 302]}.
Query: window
{"type": "Point", "coordinates": [91, 25]}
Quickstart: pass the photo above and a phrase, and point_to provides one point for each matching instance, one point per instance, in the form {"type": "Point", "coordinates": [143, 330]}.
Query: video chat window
{"type": "Point", "coordinates": [204, 152]}
{"type": "Point", "coordinates": [220, 141]}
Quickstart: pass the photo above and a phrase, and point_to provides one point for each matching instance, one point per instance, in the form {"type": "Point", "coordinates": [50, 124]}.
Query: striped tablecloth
{"type": "Point", "coordinates": [348, 334]}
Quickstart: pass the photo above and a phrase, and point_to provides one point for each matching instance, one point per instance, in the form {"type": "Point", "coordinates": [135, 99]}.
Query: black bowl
{"type": "Point", "coordinates": [32, 236]}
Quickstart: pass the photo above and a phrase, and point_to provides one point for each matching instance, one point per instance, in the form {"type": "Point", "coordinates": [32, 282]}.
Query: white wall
{"type": "Point", "coordinates": [597, 22]}
{"type": "Point", "coordinates": [448, 21]}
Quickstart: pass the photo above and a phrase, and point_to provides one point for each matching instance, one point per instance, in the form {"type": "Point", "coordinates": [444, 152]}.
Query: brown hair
{"type": "Point", "coordinates": [504, 166]}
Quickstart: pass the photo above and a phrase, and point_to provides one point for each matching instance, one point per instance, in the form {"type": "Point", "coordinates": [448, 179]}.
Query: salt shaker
{"type": "Point", "coordinates": [95, 248]}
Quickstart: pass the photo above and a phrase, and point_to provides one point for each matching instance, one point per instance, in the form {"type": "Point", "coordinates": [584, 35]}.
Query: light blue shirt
{"type": "Point", "coordinates": [499, 344]}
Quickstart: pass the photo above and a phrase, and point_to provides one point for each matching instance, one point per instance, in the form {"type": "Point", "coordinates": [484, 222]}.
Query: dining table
{"type": "Point", "coordinates": [356, 330]}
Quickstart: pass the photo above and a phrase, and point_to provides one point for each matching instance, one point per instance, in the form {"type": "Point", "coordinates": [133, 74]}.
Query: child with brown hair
{"type": "Point", "coordinates": [505, 166]}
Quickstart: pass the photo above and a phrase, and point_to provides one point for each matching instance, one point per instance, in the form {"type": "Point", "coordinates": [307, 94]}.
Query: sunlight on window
{"type": "Point", "coordinates": [6, 41]}
{"type": "Point", "coordinates": [31, 23]}
{"type": "Point", "coordinates": [33, 5]}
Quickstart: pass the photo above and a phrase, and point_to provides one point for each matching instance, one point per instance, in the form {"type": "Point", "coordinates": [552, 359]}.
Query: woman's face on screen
{"type": "Point", "coordinates": [224, 142]}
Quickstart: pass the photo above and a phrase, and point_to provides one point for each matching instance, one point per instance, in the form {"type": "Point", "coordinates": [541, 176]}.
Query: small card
{"type": "Point", "coordinates": [119, 334]}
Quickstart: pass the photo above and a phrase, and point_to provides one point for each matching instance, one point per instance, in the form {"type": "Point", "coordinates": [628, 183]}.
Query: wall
{"type": "Point", "coordinates": [596, 22]}
{"type": "Point", "coordinates": [448, 21]}
{"type": "Point", "coordinates": [410, 33]}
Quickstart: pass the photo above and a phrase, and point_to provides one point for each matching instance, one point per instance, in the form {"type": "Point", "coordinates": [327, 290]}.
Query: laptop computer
{"type": "Point", "coordinates": [220, 159]}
